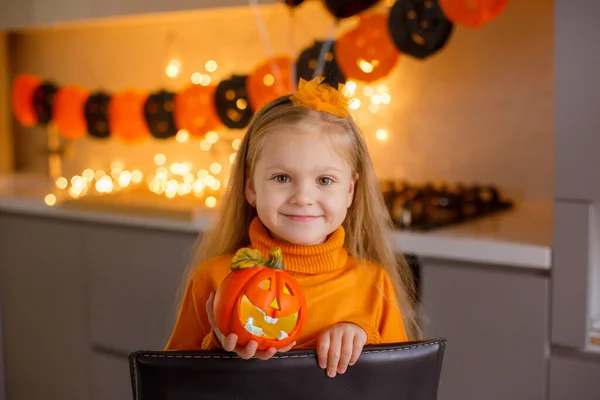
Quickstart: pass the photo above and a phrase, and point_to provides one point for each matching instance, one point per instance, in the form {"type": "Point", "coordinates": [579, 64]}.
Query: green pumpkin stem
{"type": "Point", "coordinates": [275, 260]}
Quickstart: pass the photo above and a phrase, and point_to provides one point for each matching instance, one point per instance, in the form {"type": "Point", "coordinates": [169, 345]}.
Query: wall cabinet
{"type": "Point", "coordinates": [19, 14]}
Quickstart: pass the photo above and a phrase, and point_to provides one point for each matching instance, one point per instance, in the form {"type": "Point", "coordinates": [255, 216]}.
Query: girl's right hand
{"type": "Point", "coordinates": [229, 342]}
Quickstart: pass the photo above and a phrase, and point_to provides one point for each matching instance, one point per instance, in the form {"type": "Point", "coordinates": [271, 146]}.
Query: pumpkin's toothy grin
{"type": "Point", "coordinates": [259, 324]}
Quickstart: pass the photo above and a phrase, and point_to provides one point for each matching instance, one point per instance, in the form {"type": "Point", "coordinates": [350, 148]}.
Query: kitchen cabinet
{"type": "Point", "coordinates": [576, 273]}
{"type": "Point", "coordinates": [19, 14]}
{"type": "Point", "coordinates": [16, 13]}
{"type": "Point", "coordinates": [78, 297]}
{"type": "Point", "coordinates": [495, 320]}
{"type": "Point", "coordinates": [577, 160]}
{"type": "Point", "coordinates": [110, 377]}
{"type": "Point", "coordinates": [132, 276]}
{"type": "Point", "coordinates": [574, 376]}
{"type": "Point", "coordinates": [44, 312]}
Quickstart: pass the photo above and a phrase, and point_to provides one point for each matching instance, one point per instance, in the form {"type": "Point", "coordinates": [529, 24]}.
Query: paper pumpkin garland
{"type": "Point", "coordinates": [195, 110]}
{"type": "Point", "coordinates": [259, 301]}
{"type": "Point", "coordinates": [232, 104]}
{"type": "Point", "coordinates": [158, 112]}
{"type": "Point", "coordinates": [293, 3]}
{"type": "Point", "coordinates": [419, 28]}
{"type": "Point", "coordinates": [126, 116]}
{"type": "Point", "coordinates": [96, 115]}
{"type": "Point", "coordinates": [24, 87]}
{"type": "Point", "coordinates": [348, 8]}
{"type": "Point", "coordinates": [43, 102]}
{"type": "Point", "coordinates": [269, 81]}
{"type": "Point", "coordinates": [69, 104]}
{"type": "Point", "coordinates": [472, 13]}
{"type": "Point", "coordinates": [367, 53]}
{"type": "Point", "coordinates": [309, 58]}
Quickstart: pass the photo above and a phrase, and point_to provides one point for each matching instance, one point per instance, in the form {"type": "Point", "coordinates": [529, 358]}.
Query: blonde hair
{"type": "Point", "coordinates": [367, 225]}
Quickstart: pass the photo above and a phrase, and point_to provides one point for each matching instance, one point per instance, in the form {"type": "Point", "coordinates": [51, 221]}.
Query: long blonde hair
{"type": "Point", "coordinates": [367, 225]}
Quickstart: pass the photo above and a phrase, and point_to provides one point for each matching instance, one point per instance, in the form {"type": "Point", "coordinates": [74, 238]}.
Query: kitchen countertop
{"type": "Point", "coordinates": [521, 237]}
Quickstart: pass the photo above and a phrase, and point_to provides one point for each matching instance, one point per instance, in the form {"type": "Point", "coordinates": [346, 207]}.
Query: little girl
{"type": "Point", "coordinates": [303, 181]}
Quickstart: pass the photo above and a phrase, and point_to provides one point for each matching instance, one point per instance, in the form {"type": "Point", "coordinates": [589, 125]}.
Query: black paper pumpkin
{"type": "Point", "coordinates": [419, 28]}
{"type": "Point", "coordinates": [96, 115]}
{"type": "Point", "coordinates": [309, 58]}
{"type": "Point", "coordinates": [232, 104]}
{"type": "Point", "coordinates": [158, 112]}
{"type": "Point", "coordinates": [293, 3]}
{"type": "Point", "coordinates": [348, 8]}
{"type": "Point", "coordinates": [43, 102]}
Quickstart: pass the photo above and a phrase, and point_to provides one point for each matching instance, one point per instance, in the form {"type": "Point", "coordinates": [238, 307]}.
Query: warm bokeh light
{"type": "Point", "coordinates": [50, 200]}
{"type": "Point", "coordinates": [211, 65]}
{"type": "Point", "coordinates": [381, 134]}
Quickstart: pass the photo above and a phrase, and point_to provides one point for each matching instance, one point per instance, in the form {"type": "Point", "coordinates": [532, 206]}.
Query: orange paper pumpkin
{"type": "Point", "coordinates": [266, 83]}
{"type": "Point", "coordinates": [195, 110]}
{"type": "Point", "coordinates": [126, 116]}
{"type": "Point", "coordinates": [259, 301]}
{"type": "Point", "coordinates": [472, 13]}
{"type": "Point", "coordinates": [22, 98]}
{"type": "Point", "coordinates": [367, 53]}
{"type": "Point", "coordinates": [68, 114]}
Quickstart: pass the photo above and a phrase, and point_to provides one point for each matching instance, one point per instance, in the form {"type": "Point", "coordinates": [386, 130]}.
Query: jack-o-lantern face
{"type": "Point", "coordinates": [259, 301]}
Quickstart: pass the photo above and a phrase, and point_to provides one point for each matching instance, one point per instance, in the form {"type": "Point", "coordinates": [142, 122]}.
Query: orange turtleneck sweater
{"type": "Point", "coordinates": [337, 287]}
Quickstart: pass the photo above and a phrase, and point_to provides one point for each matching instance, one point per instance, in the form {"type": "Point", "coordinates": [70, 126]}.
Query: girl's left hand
{"type": "Point", "coordinates": [340, 346]}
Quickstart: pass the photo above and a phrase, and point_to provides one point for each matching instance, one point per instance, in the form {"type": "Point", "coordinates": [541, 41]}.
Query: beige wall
{"type": "Point", "coordinates": [6, 151]}
{"type": "Point", "coordinates": [480, 110]}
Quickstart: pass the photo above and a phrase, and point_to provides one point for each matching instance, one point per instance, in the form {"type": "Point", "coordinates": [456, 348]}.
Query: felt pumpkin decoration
{"type": "Point", "coordinates": [43, 102]}
{"type": "Point", "coordinates": [347, 8]}
{"type": "Point", "coordinates": [232, 104]}
{"type": "Point", "coordinates": [96, 115]}
{"type": "Point", "coordinates": [419, 28]}
{"type": "Point", "coordinates": [266, 84]}
{"type": "Point", "coordinates": [367, 52]}
{"type": "Point", "coordinates": [158, 112]}
{"type": "Point", "coordinates": [259, 301]}
{"type": "Point", "coordinates": [23, 89]}
{"type": "Point", "coordinates": [69, 117]}
{"type": "Point", "coordinates": [472, 13]}
{"type": "Point", "coordinates": [309, 59]}
{"type": "Point", "coordinates": [195, 110]}
{"type": "Point", "coordinates": [126, 116]}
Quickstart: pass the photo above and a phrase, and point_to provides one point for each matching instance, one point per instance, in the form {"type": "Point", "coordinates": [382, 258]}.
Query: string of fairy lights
{"type": "Point", "coordinates": [180, 178]}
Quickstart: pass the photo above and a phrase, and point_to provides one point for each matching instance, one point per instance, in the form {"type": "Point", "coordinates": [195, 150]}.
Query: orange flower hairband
{"type": "Point", "coordinates": [321, 97]}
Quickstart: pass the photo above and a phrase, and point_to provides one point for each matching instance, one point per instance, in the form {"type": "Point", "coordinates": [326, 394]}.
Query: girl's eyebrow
{"type": "Point", "coordinates": [324, 168]}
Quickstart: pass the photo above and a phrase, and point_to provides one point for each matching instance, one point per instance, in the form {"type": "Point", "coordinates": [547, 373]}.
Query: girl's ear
{"type": "Point", "coordinates": [249, 191]}
{"type": "Point", "coordinates": [353, 182]}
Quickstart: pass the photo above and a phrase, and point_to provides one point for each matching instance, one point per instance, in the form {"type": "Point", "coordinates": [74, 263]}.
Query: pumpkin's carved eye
{"type": "Point", "coordinates": [287, 290]}
{"type": "Point", "coordinates": [265, 285]}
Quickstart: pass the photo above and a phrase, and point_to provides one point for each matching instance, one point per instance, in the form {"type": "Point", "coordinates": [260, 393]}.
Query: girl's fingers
{"type": "Point", "coordinates": [265, 354]}
{"type": "Point", "coordinates": [335, 350]}
{"type": "Point", "coordinates": [357, 347]}
{"type": "Point", "coordinates": [229, 343]}
{"type": "Point", "coordinates": [248, 351]}
{"type": "Point", "coordinates": [347, 349]}
{"type": "Point", "coordinates": [323, 349]}
{"type": "Point", "coordinates": [287, 348]}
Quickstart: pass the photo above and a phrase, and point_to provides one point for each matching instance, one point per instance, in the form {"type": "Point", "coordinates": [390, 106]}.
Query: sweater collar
{"type": "Point", "coordinates": [306, 259]}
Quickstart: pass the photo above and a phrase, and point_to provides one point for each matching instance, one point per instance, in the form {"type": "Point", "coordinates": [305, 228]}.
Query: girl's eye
{"type": "Point", "coordinates": [325, 181]}
{"type": "Point", "coordinates": [281, 178]}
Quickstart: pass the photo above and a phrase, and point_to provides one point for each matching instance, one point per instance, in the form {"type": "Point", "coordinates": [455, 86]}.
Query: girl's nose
{"type": "Point", "coordinates": [302, 195]}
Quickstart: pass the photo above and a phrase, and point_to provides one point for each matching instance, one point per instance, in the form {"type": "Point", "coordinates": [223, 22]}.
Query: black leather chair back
{"type": "Point", "coordinates": [407, 371]}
